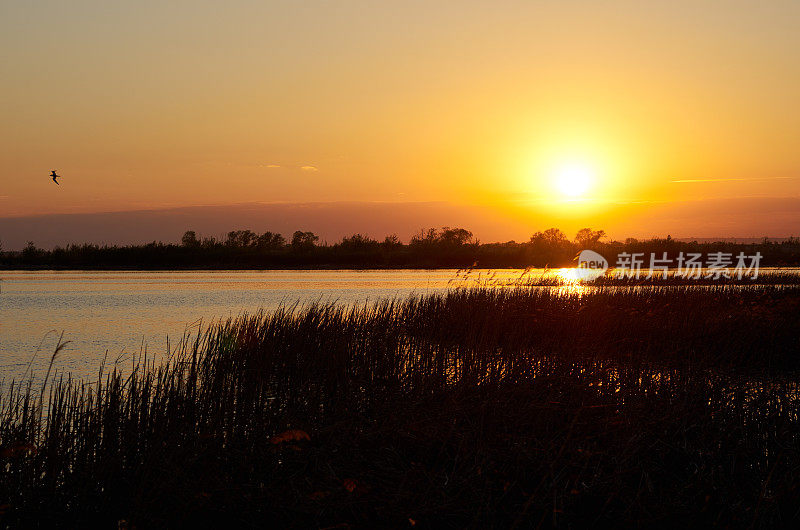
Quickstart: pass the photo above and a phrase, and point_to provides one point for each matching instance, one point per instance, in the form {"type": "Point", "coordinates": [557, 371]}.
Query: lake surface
{"type": "Point", "coordinates": [122, 313]}
{"type": "Point", "coordinates": [115, 316]}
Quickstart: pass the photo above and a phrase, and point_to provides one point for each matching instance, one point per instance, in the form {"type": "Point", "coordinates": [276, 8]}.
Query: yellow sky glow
{"type": "Point", "coordinates": [145, 105]}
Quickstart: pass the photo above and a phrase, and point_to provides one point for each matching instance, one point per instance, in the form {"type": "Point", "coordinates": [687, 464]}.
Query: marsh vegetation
{"type": "Point", "coordinates": [480, 407]}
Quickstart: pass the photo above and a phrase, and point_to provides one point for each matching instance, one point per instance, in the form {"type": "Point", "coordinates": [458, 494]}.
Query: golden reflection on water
{"type": "Point", "coordinates": [566, 280]}
{"type": "Point", "coordinates": [580, 273]}
{"type": "Point", "coordinates": [573, 280]}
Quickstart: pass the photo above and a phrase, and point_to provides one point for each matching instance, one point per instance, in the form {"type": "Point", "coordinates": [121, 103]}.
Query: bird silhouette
{"type": "Point", "coordinates": [53, 174]}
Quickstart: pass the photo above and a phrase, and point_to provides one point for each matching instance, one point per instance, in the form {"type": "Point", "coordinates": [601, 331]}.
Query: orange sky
{"type": "Point", "coordinates": [142, 105]}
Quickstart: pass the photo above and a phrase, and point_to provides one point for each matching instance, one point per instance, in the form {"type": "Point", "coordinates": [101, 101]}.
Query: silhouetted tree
{"type": "Point", "coordinates": [304, 240]}
{"type": "Point", "coordinates": [425, 236]}
{"type": "Point", "coordinates": [358, 242]}
{"type": "Point", "coordinates": [392, 241]}
{"type": "Point", "coordinates": [240, 238]}
{"type": "Point", "coordinates": [550, 247]}
{"type": "Point", "coordinates": [270, 241]}
{"type": "Point", "coordinates": [447, 236]}
{"type": "Point", "coordinates": [551, 237]}
{"type": "Point", "coordinates": [455, 236]}
{"type": "Point", "coordinates": [30, 254]}
{"type": "Point", "coordinates": [430, 248]}
{"type": "Point", "coordinates": [586, 237]}
{"type": "Point", "coordinates": [189, 239]}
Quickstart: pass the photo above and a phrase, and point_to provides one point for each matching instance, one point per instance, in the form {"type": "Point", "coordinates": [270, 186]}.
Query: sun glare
{"type": "Point", "coordinates": [573, 180]}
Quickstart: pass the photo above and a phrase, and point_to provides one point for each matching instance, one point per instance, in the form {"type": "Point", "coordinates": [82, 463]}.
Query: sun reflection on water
{"type": "Point", "coordinates": [565, 281]}
{"type": "Point", "coordinates": [573, 278]}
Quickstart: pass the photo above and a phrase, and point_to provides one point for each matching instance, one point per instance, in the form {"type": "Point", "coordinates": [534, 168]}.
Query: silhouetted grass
{"type": "Point", "coordinates": [531, 277]}
{"type": "Point", "coordinates": [764, 277]}
{"type": "Point", "coordinates": [476, 408]}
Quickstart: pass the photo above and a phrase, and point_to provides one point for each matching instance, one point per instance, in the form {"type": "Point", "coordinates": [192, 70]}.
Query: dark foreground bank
{"type": "Point", "coordinates": [657, 407]}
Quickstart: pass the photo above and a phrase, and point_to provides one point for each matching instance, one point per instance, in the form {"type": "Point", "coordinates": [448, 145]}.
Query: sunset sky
{"type": "Point", "coordinates": [548, 112]}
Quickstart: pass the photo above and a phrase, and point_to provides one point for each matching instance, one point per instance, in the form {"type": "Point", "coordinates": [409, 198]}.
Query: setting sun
{"type": "Point", "coordinates": [573, 180]}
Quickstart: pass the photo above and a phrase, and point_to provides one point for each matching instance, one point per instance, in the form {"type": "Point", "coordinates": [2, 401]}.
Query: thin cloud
{"type": "Point", "coordinates": [692, 181]}
{"type": "Point", "coordinates": [280, 166]}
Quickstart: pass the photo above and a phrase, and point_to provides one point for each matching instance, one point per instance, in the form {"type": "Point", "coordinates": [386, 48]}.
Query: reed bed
{"type": "Point", "coordinates": [478, 407]}
{"type": "Point", "coordinates": [614, 278]}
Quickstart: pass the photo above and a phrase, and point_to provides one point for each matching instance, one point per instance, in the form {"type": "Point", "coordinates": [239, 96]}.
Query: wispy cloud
{"type": "Point", "coordinates": [691, 181]}
{"type": "Point", "coordinates": [280, 166]}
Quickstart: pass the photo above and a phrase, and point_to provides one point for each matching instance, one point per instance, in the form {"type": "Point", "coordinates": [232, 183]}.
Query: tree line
{"type": "Point", "coordinates": [444, 247]}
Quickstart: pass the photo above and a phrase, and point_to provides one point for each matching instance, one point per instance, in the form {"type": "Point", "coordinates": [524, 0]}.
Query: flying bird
{"type": "Point", "coordinates": [53, 174]}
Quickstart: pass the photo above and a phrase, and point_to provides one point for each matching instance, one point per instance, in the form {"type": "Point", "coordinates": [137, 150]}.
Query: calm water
{"type": "Point", "coordinates": [117, 315]}
{"type": "Point", "coordinates": [123, 312]}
